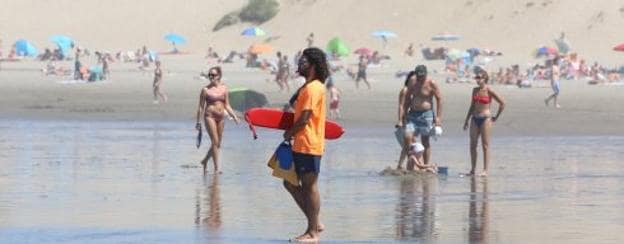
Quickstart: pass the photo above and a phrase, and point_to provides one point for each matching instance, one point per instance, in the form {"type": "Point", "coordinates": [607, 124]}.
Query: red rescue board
{"type": "Point", "coordinates": [277, 119]}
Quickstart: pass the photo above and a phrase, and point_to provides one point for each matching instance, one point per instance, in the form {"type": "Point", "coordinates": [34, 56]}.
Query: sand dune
{"type": "Point", "coordinates": [513, 27]}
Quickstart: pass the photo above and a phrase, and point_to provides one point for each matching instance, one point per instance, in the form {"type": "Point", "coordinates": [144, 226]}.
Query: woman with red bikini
{"type": "Point", "coordinates": [481, 119]}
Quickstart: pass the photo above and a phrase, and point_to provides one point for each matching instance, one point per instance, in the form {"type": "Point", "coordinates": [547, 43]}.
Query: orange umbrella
{"type": "Point", "coordinates": [260, 48]}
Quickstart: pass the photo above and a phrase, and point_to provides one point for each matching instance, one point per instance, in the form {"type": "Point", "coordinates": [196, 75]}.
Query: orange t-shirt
{"type": "Point", "coordinates": [311, 138]}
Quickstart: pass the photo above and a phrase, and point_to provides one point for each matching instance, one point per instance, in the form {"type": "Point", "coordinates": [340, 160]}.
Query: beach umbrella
{"type": "Point", "coordinates": [446, 37]}
{"type": "Point", "coordinates": [546, 50]}
{"type": "Point", "coordinates": [260, 48]}
{"type": "Point", "coordinates": [242, 99]}
{"type": "Point", "coordinates": [175, 38]}
{"type": "Point", "coordinates": [25, 48]}
{"type": "Point", "coordinates": [337, 46]}
{"type": "Point", "coordinates": [384, 33]}
{"type": "Point", "coordinates": [363, 51]}
{"type": "Point", "coordinates": [253, 31]}
{"type": "Point", "coordinates": [619, 48]}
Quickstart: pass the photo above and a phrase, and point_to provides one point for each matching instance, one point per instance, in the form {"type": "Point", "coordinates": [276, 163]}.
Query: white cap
{"type": "Point", "coordinates": [417, 147]}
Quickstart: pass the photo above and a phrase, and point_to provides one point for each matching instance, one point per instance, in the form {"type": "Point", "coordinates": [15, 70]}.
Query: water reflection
{"type": "Point", "coordinates": [208, 204]}
{"type": "Point", "coordinates": [415, 217]}
{"type": "Point", "coordinates": [478, 218]}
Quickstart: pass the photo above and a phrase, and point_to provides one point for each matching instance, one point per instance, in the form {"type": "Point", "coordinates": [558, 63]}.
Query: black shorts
{"type": "Point", "coordinates": [360, 75]}
{"type": "Point", "coordinates": [306, 163]}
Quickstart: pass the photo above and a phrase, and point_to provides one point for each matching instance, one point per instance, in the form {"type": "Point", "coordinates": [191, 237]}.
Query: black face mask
{"type": "Point", "coordinates": [302, 71]}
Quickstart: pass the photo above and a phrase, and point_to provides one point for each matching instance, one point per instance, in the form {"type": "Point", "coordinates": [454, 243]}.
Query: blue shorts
{"type": "Point", "coordinates": [419, 122]}
{"type": "Point", "coordinates": [556, 87]}
{"type": "Point", "coordinates": [306, 163]}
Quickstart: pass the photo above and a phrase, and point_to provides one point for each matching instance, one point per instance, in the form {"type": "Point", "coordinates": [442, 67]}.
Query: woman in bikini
{"type": "Point", "coordinates": [158, 79]}
{"type": "Point", "coordinates": [481, 119]}
{"type": "Point", "coordinates": [213, 103]}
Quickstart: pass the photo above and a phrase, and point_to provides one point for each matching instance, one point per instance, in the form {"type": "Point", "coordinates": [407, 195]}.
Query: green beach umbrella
{"type": "Point", "coordinates": [336, 45]}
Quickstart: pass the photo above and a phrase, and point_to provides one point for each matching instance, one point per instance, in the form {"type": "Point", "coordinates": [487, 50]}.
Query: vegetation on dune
{"type": "Point", "coordinates": [256, 11]}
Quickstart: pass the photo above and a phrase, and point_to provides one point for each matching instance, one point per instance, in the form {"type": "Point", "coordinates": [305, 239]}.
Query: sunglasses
{"type": "Point", "coordinates": [212, 75]}
{"type": "Point", "coordinates": [478, 77]}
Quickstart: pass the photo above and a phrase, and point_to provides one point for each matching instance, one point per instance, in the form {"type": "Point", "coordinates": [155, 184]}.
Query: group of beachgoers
{"type": "Point", "coordinates": [570, 67]}
{"type": "Point", "coordinates": [419, 118]}
{"type": "Point", "coordinates": [416, 118]}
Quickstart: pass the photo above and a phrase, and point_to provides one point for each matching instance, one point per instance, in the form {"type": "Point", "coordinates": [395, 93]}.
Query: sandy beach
{"type": "Point", "coordinates": [127, 96]}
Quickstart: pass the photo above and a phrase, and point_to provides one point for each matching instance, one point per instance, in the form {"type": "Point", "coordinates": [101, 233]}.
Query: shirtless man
{"type": "Point", "coordinates": [418, 116]}
{"type": "Point", "coordinates": [157, 82]}
{"type": "Point", "coordinates": [554, 82]}
{"type": "Point", "coordinates": [361, 73]}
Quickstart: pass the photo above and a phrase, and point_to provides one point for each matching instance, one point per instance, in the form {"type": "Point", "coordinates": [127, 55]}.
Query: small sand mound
{"type": "Point", "coordinates": [389, 171]}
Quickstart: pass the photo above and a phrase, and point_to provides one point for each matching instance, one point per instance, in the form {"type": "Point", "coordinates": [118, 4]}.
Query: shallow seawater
{"type": "Point", "coordinates": [110, 182]}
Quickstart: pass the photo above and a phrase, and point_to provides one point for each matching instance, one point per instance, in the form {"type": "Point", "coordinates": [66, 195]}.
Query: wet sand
{"type": "Point", "coordinates": [72, 181]}
{"type": "Point", "coordinates": [100, 162]}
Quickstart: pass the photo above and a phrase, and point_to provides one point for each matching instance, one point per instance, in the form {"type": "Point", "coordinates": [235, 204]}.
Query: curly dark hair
{"type": "Point", "coordinates": [316, 57]}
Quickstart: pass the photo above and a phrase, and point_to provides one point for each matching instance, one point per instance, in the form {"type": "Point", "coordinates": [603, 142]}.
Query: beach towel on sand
{"type": "Point", "coordinates": [282, 164]}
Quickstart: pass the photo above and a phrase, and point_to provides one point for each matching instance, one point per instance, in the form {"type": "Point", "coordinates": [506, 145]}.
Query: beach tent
{"type": "Point", "coordinates": [64, 43]}
{"type": "Point", "coordinates": [25, 48]}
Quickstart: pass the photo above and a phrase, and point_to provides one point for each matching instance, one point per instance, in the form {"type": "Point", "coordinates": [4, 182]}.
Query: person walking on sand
{"type": "Point", "coordinates": [555, 84]}
{"type": "Point", "coordinates": [334, 100]}
{"type": "Point", "coordinates": [409, 82]}
{"type": "Point", "coordinates": [361, 73]}
{"type": "Point", "coordinates": [213, 103]}
{"type": "Point", "coordinates": [158, 79]}
{"type": "Point", "coordinates": [481, 119]}
{"type": "Point", "coordinates": [310, 39]}
{"type": "Point", "coordinates": [284, 70]}
{"type": "Point", "coordinates": [418, 116]}
{"type": "Point", "coordinates": [308, 139]}
{"type": "Point", "coordinates": [279, 71]}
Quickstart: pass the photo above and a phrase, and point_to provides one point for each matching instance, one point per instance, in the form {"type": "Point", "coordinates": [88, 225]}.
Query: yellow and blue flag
{"type": "Point", "coordinates": [283, 165]}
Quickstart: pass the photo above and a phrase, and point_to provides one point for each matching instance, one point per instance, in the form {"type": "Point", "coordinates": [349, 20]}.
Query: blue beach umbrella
{"type": "Point", "coordinates": [384, 33]}
{"type": "Point", "coordinates": [253, 31]}
{"type": "Point", "coordinates": [175, 38]}
{"type": "Point", "coordinates": [25, 48]}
